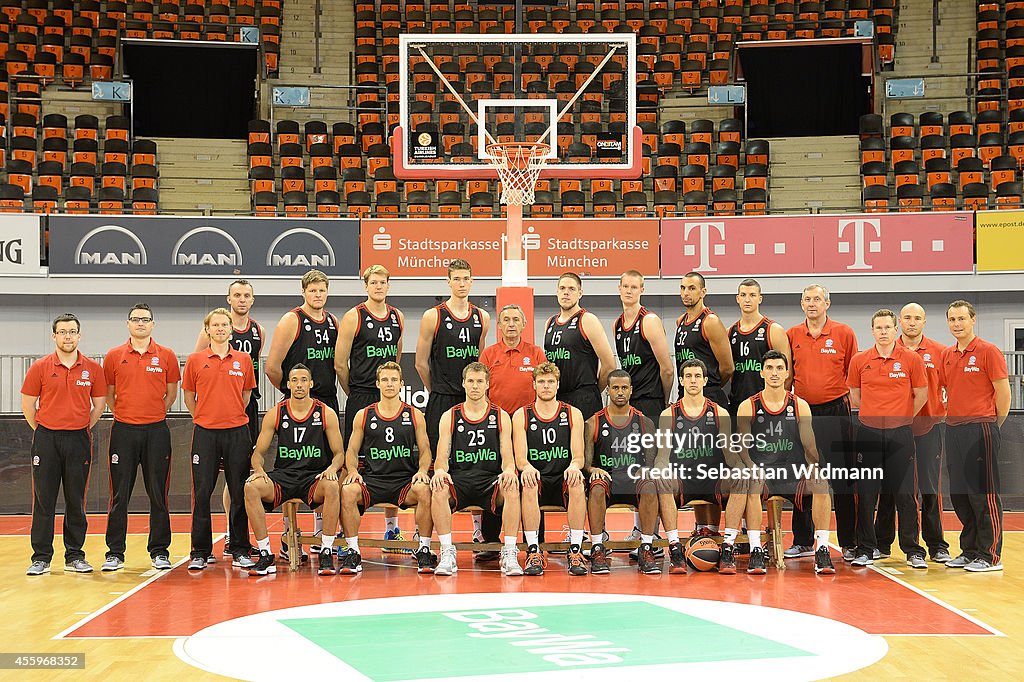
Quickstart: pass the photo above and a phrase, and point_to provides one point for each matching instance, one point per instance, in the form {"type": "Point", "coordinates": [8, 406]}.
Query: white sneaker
{"type": "Point", "coordinates": [983, 566]}
{"type": "Point", "coordinates": [510, 561]}
{"type": "Point", "coordinates": [448, 564]}
{"type": "Point", "coordinates": [634, 536]}
{"type": "Point", "coordinates": [112, 563]}
{"type": "Point", "coordinates": [83, 566]}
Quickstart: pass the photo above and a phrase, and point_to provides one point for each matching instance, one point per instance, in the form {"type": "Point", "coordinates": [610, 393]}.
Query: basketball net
{"type": "Point", "coordinates": [518, 165]}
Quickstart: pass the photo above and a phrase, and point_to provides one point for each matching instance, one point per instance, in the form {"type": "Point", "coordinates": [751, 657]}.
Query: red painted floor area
{"type": "Point", "coordinates": [180, 604]}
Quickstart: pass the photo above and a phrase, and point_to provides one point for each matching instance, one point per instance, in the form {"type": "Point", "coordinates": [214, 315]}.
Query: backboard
{"type": "Point", "coordinates": [458, 93]}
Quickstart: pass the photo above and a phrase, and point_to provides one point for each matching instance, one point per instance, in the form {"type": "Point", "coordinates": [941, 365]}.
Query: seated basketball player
{"type": "Point", "coordinates": [785, 458]}
{"type": "Point", "coordinates": [547, 436]}
{"type": "Point", "coordinates": [699, 427]}
{"type": "Point", "coordinates": [307, 433]}
{"type": "Point", "coordinates": [391, 438]}
{"type": "Point", "coordinates": [475, 468]}
{"type": "Point", "coordinates": [614, 457]}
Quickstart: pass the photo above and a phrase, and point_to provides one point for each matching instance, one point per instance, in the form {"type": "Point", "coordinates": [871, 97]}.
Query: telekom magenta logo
{"type": "Point", "coordinates": [704, 246]}
{"type": "Point", "coordinates": [861, 242]}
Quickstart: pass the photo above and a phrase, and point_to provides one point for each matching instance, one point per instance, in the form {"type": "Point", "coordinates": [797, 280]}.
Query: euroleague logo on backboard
{"type": "Point", "coordinates": [206, 246]}
{"type": "Point", "coordinates": [110, 245]}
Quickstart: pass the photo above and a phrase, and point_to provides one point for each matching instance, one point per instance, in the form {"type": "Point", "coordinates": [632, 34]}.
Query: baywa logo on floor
{"type": "Point", "coordinates": [536, 636]}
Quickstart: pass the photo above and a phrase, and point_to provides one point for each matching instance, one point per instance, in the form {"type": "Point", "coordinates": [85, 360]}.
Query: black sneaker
{"type": "Point", "coordinates": [727, 560]}
{"type": "Point", "coordinates": [676, 558]}
{"type": "Point", "coordinates": [534, 561]}
{"type": "Point", "coordinates": [425, 560]}
{"type": "Point", "coordinates": [264, 565]}
{"type": "Point", "coordinates": [646, 563]}
{"type": "Point", "coordinates": [350, 563]}
{"type": "Point", "coordinates": [757, 563]}
{"type": "Point", "coordinates": [577, 564]}
{"type": "Point", "coordinates": [326, 561]}
{"type": "Point", "coordinates": [823, 561]}
{"type": "Point", "coordinates": [599, 560]}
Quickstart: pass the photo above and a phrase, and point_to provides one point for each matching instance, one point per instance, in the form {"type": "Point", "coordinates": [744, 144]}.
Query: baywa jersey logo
{"type": "Point", "coordinates": [305, 452]}
{"type": "Point", "coordinates": [110, 245]}
{"type": "Point", "coordinates": [474, 456]}
{"type": "Point", "coordinates": [205, 246]}
{"type": "Point", "coordinates": [388, 454]}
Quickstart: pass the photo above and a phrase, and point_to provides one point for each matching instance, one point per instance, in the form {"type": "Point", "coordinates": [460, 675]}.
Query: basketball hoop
{"type": "Point", "coordinates": [519, 165]}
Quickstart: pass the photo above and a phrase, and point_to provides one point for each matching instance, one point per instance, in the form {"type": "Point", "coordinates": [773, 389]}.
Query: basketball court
{"type": "Point", "coordinates": [885, 620]}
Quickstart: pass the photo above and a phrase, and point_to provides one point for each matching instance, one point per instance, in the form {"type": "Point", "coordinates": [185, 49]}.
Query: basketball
{"type": "Point", "coordinates": [702, 553]}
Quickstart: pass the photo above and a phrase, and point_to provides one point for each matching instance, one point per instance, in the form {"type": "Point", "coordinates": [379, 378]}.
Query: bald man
{"type": "Point", "coordinates": [928, 432]}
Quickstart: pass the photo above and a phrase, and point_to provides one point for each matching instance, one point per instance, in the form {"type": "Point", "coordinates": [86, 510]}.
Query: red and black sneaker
{"type": "Point", "coordinates": [326, 561]}
{"type": "Point", "coordinates": [534, 561]}
{"type": "Point", "coordinates": [727, 560]}
{"type": "Point", "coordinates": [676, 558]}
{"type": "Point", "coordinates": [757, 564]}
{"type": "Point", "coordinates": [823, 561]}
{"type": "Point", "coordinates": [599, 564]}
{"type": "Point", "coordinates": [646, 562]}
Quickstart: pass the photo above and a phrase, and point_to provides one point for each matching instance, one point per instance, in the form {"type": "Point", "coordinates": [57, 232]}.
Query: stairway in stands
{"type": "Point", "coordinates": [203, 176]}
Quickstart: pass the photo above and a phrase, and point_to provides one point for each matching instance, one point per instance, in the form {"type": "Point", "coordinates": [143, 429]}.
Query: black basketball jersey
{"type": "Point", "coordinates": [567, 345]}
{"type": "Point", "coordinates": [456, 344]}
{"type": "Point", "coordinates": [314, 347]}
{"type": "Point", "coordinates": [549, 443]}
{"type": "Point", "coordinates": [476, 445]}
{"type": "Point", "coordinates": [301, 443]}
{"type": "Point", "coordinates": [616, 448]}
{"type": "Point", "coordinates": [249, 340]}
{"type": "Point", "coordinates": [691, 343]}
{"type": "Point", "coordinates": [696, 439]}
{"type": "Point", "coordinates": [776, 434]}
{"type": "Point", "coordinates": [389, 445]}
{"type": "Point", "coordinates": [637, 357]}
{"type": "Point", "coordinates": [375, 342]}
{"type": "Point", "coordinates": [747, 350]}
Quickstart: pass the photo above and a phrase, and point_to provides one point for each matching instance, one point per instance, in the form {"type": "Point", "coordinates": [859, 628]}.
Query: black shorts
{"type": "Point", "coordinates": [357, 400]}
{"type": "Point", "coordinates": [289, 485]}
{"type": "Point", "coordinates": [474, 491]}
{"type": "Point", "coordinates": [382, 489]}
{"type": "Point", "coordinates": [649, 407]}
{"type": "Point", "coordinates": [553, 491]}
{"type": "Point", "coordinates": [615, 494]}
{"type": "Point", "coordinates": [586, 399]}
{"type": "Point", "coordinates": [437, 405]}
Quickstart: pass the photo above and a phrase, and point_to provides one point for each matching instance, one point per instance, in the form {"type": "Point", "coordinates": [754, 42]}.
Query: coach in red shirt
{"type": "Point", "coordinates": [977, 402]}
{"type": "Point", "coordinates": [889, 385]}
{"type": "Point", "coordinates": [217, 383]}
{"type": "Point", "coordinates": [62, 398]}
{"type": "Point", "coordinates": [928, 436]}
{"type": "Point", "coordinates": [511, 361]}
{"type": "Point", "coordinates": [822, 349]}
{"type": "Point", "coordinates": [142, 383]}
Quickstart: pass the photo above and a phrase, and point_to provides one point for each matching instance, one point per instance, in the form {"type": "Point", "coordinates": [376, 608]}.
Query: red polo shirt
{"type": "Point", "coordinates": [970, 396]}
{"type": "Point", "coordinates": [512, 373]}
{"type": "Point", "coordinates": [887, 386]}
{"type": "Point", "coordinates": [821, 365]}
{"type": "Point", "coordinates": [65, 394]}
{"type": "Point", "coordinates": [218, 384]}
{"type": "Point", "coordinates": [140, 381]}
{"type": "Point", "coordinates": [934, 410]}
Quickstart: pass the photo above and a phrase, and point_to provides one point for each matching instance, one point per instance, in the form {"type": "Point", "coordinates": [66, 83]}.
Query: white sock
{"type": "Point", "coordinates": [820, 539]}
{"type": "Point", "coordinates": [353, 544]}
{"type": "Point", "coordinates": [714, 529]}
{"type": "Point", "coordinates": [318, 522]}
{"type": "Point", "coordinates": [477, 523]}
{"type": "Point", "coordinates": [730, 536]}
{"type": "Point", "coordinates": [264, 544]}
{"type": "Point", "coordinates": [646, 539]}
{"type": "Point", "coordinates": [531, 537]}
{"type": "Point", "coordinates": [391, 522]}
{"type": "Point", "coordinates": [327, 541]}
{"type": "Point", "coordinates": [575, 537]}
{"type": "Point", "coordinates": [446, 540]}
{"type": "Point", "coordinates": [425, 542]}
{"type": "Point", "coordinates": [636, 520]}
{"type": "Point", "coordinates": [673, 535]}
{"type": "Point", "coordinates": [702, 526]}
{"type": "Point", "coordinates": [286, 525]}
{"type": "Point", "coordinates": [510, 541]}
{"type": "Point", "coordinates": [755, 538]}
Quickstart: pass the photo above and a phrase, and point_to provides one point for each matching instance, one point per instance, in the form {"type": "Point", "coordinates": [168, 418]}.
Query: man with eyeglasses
{"type": "Point", "coordinates": [142, 383]}
{"type": "Point", "coordinates": [62, 398]}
